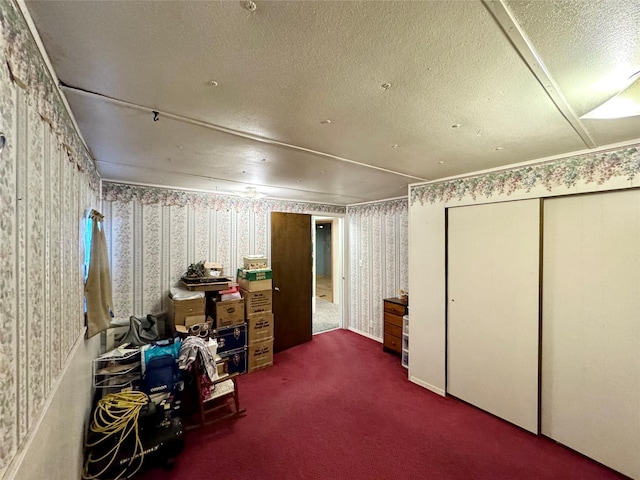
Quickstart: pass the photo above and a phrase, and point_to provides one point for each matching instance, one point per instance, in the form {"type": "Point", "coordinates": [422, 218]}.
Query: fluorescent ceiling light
{"type": "Point", "coordinates": [624, 104]}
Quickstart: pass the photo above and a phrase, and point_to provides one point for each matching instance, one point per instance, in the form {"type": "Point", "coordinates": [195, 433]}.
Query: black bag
{"type": "Point", "coordinates": [142, 331]}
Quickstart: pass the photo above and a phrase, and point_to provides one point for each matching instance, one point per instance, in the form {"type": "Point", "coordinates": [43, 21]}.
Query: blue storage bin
{"type": "Point", "coordinates": [231, 338]}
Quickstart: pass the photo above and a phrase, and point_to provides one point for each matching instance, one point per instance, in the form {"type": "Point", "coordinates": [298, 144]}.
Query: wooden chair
{"type": "Point", "coordinates": [223, 396]}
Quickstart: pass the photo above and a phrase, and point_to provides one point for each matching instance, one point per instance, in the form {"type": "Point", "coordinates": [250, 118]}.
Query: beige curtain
{"type": "Point", "coordinates": [98, 286]}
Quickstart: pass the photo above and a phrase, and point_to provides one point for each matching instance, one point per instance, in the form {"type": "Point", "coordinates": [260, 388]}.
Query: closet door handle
{"type": "Point", "coordinates": [277, 289]}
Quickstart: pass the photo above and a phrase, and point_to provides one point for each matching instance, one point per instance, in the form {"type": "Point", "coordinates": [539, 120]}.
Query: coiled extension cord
{"type": "Point", "coordinates": [116, 416]}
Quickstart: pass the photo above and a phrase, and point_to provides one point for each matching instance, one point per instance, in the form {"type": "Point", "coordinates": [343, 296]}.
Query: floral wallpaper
{"type": "Point", "coordinates": [44, 196]}
{"type": "Point", "coordinates": [153, 234]}
{"type": "Point", "coordinates": [387, 207]}
{"type": "Point", "coordinates": [168, 197]}
{"type": "Point", "coordinates": [567, 172]}
{"type": "Point", "coordinates": [27, 69]}
{"type": "Point", "coordinates": [378, 261]}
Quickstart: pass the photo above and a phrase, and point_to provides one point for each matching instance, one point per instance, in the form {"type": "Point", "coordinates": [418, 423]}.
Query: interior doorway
{"type": "Point", "coordinates": [327, 273]}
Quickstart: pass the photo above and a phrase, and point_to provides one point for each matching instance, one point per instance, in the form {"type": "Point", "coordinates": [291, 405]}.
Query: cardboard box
{"type": "Point", "coordinates": [255, 286]}
{"type": "Point", "coordinates": [179, 310]}
{"type": "Point", "coordinates": [194, 320]}
{"type": "Point", "coordinates": [220, 366]}
{"type": "Point", "coordinates": [254, 261]}
{"type": "Point", "coordinates": [260, 327]}
{"type": "Point", "coordinates": [256, 302]}
{"type": "Point", "coordinates": [227, 313]}
{"type": "Point", "coordinates": [216, 267]}
{"type": "Point", "coordinates": [255, 280]}
{"type": "Point", "coordinates": [255, 275]}
{"type": "Point", "coordinates": [260, 355]}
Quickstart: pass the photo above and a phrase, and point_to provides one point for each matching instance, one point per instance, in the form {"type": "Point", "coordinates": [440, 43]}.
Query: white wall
{"type": "Point", "coordinates": [614, 169]}
{"type": "Point", "coordinates": [427, 281]}
{"type": "Point", "coordinates": [581, 173]}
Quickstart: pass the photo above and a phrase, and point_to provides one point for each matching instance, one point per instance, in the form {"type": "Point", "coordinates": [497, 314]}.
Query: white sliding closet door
{"type": "Point", "coordinates": [591, 327]}
{"type": "Point", "coordinates": [493, 308]}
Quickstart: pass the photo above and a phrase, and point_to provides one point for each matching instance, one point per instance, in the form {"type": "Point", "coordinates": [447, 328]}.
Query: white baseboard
{"type": "Point", "coordinates": [379, 340]}
{"type": "Point", "coordinates": [428, 386]}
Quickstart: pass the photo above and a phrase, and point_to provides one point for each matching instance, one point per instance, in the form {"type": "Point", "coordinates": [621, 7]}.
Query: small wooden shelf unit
{"type": "Point", "coordinates": [394, 310]}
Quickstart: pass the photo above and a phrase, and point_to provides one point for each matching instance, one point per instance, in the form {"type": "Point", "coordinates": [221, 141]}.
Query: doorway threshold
{"type": "Point", "coordinates": [326, 316]}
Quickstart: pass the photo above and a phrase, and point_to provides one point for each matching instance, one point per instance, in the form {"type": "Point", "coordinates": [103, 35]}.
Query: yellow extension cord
{"type": "Point", "coordinates": [116, 413]}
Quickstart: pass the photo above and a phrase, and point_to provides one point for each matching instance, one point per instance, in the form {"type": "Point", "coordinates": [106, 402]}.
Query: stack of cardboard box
{"type": "Point", "coordinates": [226, 322]}
{"type": "Point", "coordinates": [256, 288]}
{"type": "Point", "coordinates": [230, 331]}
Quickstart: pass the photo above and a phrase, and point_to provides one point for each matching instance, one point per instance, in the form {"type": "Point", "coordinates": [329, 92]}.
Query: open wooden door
{"type": "Point", "coordinates": [291, 262]}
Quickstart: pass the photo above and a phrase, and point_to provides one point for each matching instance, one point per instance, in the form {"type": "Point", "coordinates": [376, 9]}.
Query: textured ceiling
{"type": "Point", "coordinates": [465, 90]}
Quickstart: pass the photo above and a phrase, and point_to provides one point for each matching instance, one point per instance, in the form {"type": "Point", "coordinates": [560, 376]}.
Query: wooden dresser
{"type": "Point", "coordinates": [394, 310]}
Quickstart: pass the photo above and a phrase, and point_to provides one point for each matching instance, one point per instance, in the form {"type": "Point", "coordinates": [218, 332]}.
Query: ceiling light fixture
{"type": "Point", "coordinates": [252, 193]}
{"type": "Point", "coordinates": [326, 122]}
{"type": "Point", "coordinates": [624, 104]}
{"type": "Point", "coordinates": [250, 6]}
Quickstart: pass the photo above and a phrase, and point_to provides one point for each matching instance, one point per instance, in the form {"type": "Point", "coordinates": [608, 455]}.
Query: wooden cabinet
{"type": "Point", "coordinates": [394, 310]}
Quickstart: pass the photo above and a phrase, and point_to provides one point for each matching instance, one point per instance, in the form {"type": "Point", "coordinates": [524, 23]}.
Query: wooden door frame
{"type": "Point", "coordinates": [339, 262]}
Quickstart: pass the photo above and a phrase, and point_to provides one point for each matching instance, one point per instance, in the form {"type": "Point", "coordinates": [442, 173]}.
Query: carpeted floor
{"type": "Point", "coordinates": [326, 316]}
{"type": "Point", "coordinates": [337, 407]}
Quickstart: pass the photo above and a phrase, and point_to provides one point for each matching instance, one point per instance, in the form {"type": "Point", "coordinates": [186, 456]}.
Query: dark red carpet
{"type": "Point", "coordinates": [340, 408]}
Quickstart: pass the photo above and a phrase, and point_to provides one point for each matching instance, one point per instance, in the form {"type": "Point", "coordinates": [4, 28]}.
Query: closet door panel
{"type": "Point", "coordinates": [591, 326]}
{"type": "Point", "coordinates": [493, 308]}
